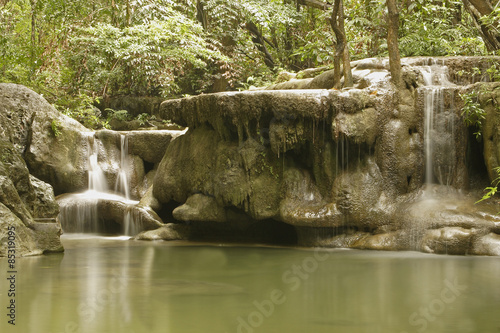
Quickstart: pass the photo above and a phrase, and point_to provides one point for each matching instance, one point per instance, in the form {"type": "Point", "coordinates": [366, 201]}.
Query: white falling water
{"type": "Point", "coordinates": [97, 180]}
{"type": "Point", "coordinates": [131, 219]}
{"type": "Point", "coordinates": [122, 183]}
{"type": "Point", "coordinates": [438, 125]}
{"type": "Point", "coordinates": [79, 212]}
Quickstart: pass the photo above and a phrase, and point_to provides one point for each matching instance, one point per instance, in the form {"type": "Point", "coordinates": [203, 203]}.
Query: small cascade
{"type": "Point", "coordinates": [97, 180]}
{"type": "Point", "coordinates": [78, 212]}
{"type": "Point", "coordinates": [83, 212]}
{"type": "Point", "coordinates": [439, 124]}
{"type": "Point", "coordinates": [130, 222]}
{"type": "Point", "coordinates": [122, 183]}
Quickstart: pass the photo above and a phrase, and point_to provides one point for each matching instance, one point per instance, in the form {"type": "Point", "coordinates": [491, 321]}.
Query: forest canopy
{"type": "Point", "coordinates": [82, 50]}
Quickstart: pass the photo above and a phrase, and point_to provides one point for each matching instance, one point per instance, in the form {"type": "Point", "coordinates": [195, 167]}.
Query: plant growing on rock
{"type": "Point", "coordinates": [492, 190]}
{"type": "Point", "coordinates": [121, 115]}
{"type": "Point", "coordinates": [55, 125]}
{"type": "Point", "coordinates": [472, 112]}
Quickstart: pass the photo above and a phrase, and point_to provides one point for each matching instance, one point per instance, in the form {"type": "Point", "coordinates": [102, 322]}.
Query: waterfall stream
{"type": "Point", "coordinates": [122, 183]}
{"type": "Point", "coordinates": [439, 124]}
{"type": "Point", "coordinates": [81, 212]}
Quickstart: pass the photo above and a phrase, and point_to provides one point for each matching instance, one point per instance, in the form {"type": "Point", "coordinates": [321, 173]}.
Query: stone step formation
{"type": "Point", "coordinates": [367, 167]}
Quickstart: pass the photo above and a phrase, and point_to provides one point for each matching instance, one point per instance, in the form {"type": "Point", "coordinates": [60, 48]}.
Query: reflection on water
{"type": "Point", "coordinates": [116, 285]}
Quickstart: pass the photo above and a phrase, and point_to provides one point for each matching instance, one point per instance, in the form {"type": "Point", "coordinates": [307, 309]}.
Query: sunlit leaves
{"type": "Point", "coordinates": [144, 58]}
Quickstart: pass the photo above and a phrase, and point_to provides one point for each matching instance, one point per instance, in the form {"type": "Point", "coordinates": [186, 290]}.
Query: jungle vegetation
{"type": "Point", "coordinates": [74, 52]}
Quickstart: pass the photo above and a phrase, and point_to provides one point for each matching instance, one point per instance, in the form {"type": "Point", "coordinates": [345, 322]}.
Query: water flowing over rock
{"type": "Point", "coordinates": [368, 167]}
{"type": "Point", "coordinates": [97, 210]}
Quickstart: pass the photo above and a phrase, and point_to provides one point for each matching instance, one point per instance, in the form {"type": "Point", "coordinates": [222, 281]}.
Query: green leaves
{"type": "Point", "coordinates": [438, 29]}
{"type": "Point", "coordinates": [492, 190]}
{"type": "Point", "coordinates": [142, 59]}
{"type": "Point", "coordinates": [472, 112]}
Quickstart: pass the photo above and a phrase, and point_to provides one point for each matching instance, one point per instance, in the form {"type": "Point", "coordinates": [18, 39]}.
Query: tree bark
{"type": "Point", "coordinates": [201, 16]}
{"type": "Point", "coordinates": [33, 4]}
{"type": "Point", "coordinates": [392, 44]}
{"type": "Point", "coordinates": [128, 14]}
{"type": "Point", "coordinates": [259, 42]}
{"type": "Point", "coordinates": [484, 7]}
{"type": "Point", "coordinates": [346, 58]}
{"type": "Point", "coordinates": [341, 49]}
{"type": "Point", "coordinates": [478, 9]}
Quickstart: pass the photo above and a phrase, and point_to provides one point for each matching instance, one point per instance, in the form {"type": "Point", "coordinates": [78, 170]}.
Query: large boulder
{"type": "Point", "coordinates": [27, 207]}
{"type": "Point", "coordinates": [44, 137]}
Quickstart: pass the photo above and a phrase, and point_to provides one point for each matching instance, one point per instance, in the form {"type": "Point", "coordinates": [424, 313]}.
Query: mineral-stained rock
{"type": "Point", "coordinates": [344, 167]}
{"type": "Point", "coordinates": [487, 245]}
{"type": "Point", "coordinates": [44, 137]}
{"type": "Point", "coordinates": [450, 240]}
{"type": "Point", "coordinates": [199, 207]}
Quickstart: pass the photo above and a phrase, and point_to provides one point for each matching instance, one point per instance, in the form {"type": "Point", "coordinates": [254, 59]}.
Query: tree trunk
{"type": "Point", "coordinates": [392, 43]}
{"type": "Point", "coordinates": [346, 58]}
{"type": "Point", "coordinates": [128, 14]}
{"type": "Point", "coordinates": [259, 42]}
{"type": "Point", "coordinates": [484, 7]}
{"type": "Point", "coordinates": [341, 49]}
{"type": "Point", "coordinates": [201, 16]}
{"type": "Point", "coordinates": [33, 4]}
{"type": "Point", "coordinates": [478, 9]}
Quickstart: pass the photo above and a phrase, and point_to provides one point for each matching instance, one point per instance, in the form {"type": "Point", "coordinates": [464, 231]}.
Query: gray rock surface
{"type": "Point", "coordinates": [345, 168]}
{"type": "Point", "coordinates": [28, 209]}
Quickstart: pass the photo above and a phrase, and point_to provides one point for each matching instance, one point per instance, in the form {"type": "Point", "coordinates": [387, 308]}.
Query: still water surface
{"type": "Point", "coordinates": [116, 285]}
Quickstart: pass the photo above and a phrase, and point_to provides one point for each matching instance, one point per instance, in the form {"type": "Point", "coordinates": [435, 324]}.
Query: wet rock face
{"type": "Point", "coordinates": [491, 128]}
{"type": "Point", "coordinates": [345, 168]}
{"type": "Point", "coordinates": [307, 158]}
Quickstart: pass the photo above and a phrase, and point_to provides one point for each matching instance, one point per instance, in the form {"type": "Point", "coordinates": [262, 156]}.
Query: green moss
{"type": "Point", "coordinates": [55, 125]}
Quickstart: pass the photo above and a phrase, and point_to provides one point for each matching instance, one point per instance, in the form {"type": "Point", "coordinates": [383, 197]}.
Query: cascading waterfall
{"type": "Point", "coordinates": [121, 185]}
{"type": "Point", "coordinates": [79, 212]}
{"type": "Point", "coordinates": [439, 125]}
{"type": "Point", "coordinates": [97, 179]}
{"type": "Point", "coordinates": [131, 218]}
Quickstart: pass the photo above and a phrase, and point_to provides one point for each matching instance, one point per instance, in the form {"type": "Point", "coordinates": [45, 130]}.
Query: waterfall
{"type": "Point", "coordinates": [122, 183]}
{"type": "Point", "coordinates": [130, 218]}
{"type": "Point", "coordinates": [439, 124]}
{"type": "Point", "coordinates": [97, 180]}
{"type": "Point", "coordinates": [80, 212]}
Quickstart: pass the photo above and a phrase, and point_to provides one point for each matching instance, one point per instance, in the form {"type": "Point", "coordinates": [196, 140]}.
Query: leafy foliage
{"type": "Point", "coordinates": [55, 126]}
{"type": "Point", "coordinates": [492, 190]}
{"type": "Point", "coordinates": [145, 59]}
{"type": "Point", "coordinates": [75, 51]}
{"type": "Point", "coordinates": [472, 112]}
{"type": "Point", "coordinates": [437, 29]}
